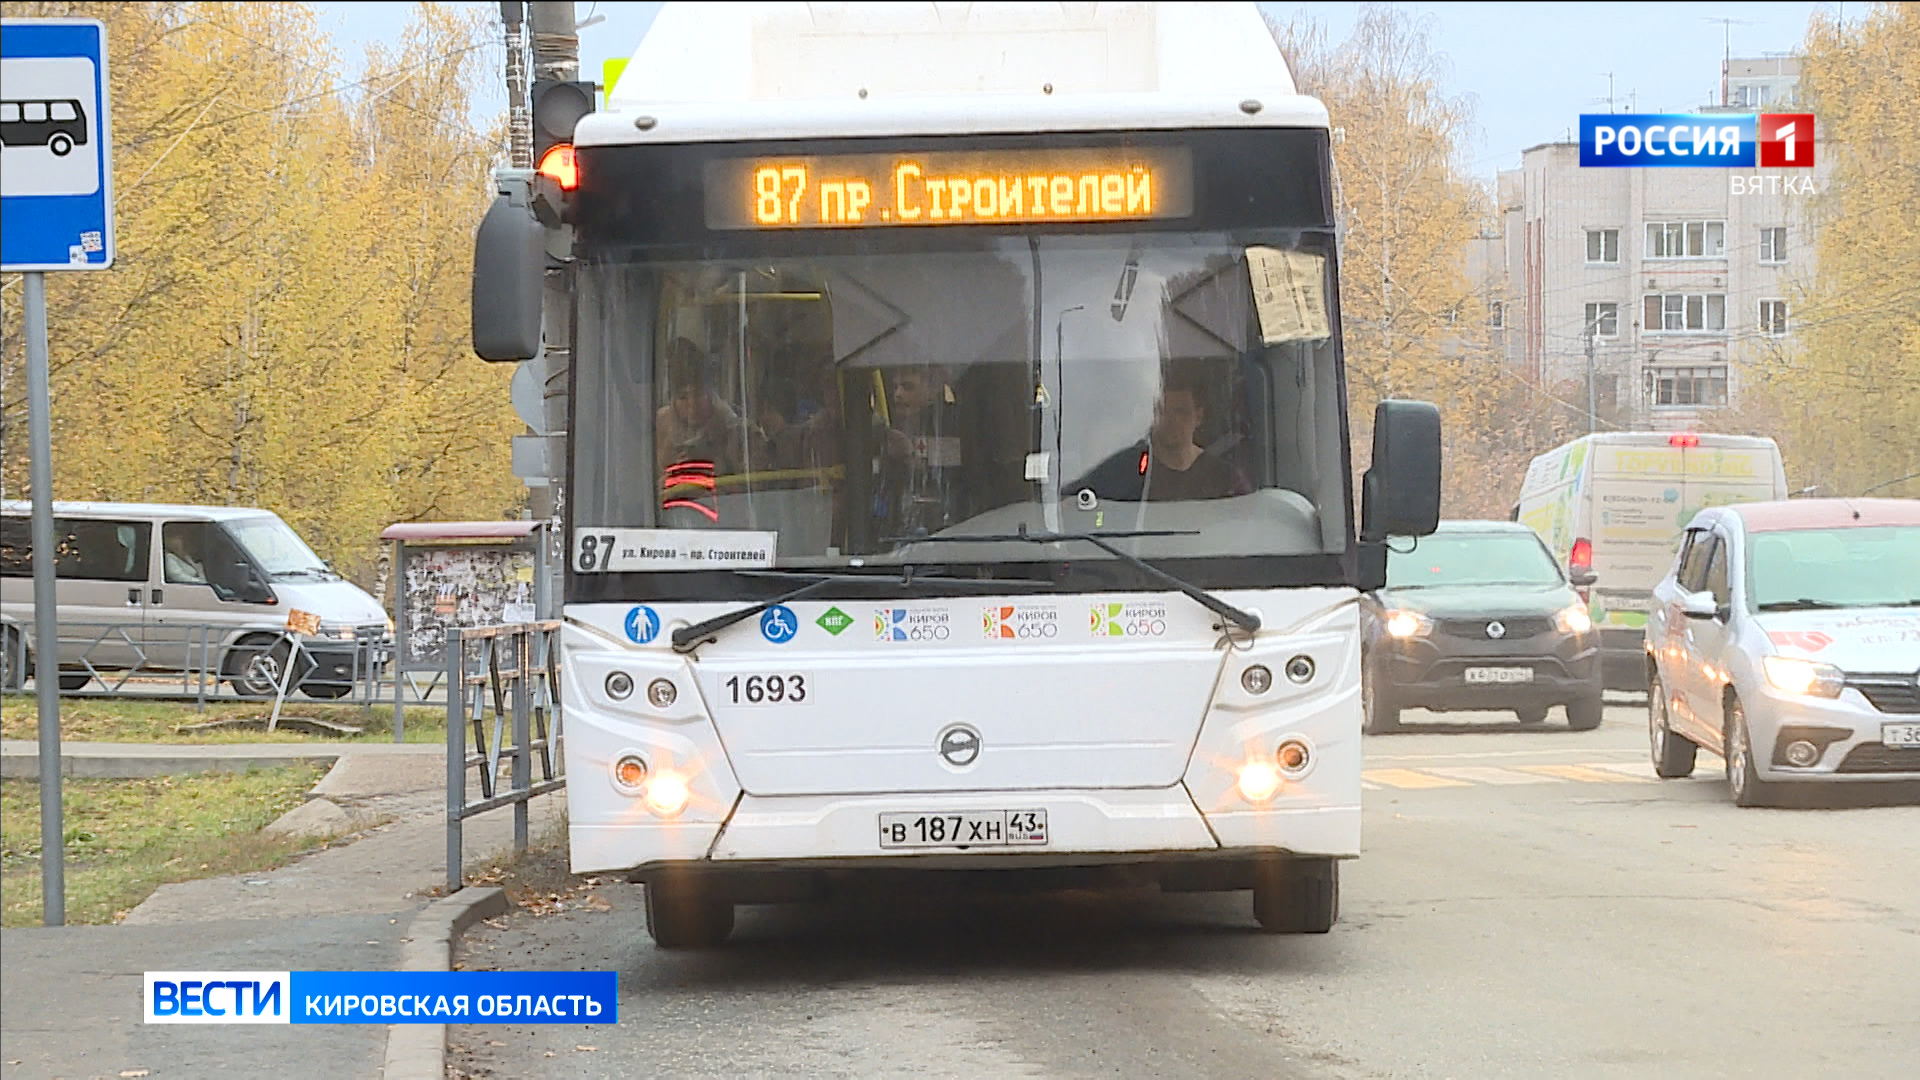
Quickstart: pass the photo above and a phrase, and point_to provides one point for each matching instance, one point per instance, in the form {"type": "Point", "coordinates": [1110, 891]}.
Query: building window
{"type": "Point", "coordinates": [1773, 318]}
{"type": "Point", "coordinates": [1604, 319]}
{"type": "Point", "coordinates": [1603, 245]}
{"type": "Point", "coordinates": [1686, 239]}
{"type": "Point", "coordinates": [1773, 244]}
{"type": "Point", "coordinates": [1667, 313]}
{"type": "Point", "coordinates": [1687, 387]}
{"type": "Point", "coordinates": [1497, 315]}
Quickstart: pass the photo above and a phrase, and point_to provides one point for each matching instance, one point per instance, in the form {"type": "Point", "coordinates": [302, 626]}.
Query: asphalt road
{"type": "Point", "coordinates": [1531, 903]}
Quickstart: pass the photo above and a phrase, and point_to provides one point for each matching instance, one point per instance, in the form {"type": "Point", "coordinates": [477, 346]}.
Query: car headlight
{"type": "Point", "coordinates": [1573, 620]}
{"type": "Point", "coordinates": [1406, 624]}
{"type": "Point", "coordinates": [1796, 676]}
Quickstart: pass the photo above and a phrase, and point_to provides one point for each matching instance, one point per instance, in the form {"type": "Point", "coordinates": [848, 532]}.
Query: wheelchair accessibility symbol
{"type": "Point", "coordinates": [779, 624]}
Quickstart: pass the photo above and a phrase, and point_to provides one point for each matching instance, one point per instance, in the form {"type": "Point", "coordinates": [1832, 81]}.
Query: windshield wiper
{"type": "Point", "coordinates": [687, 638]}
{"type": "Point", "coordinates": [1246, 620]}
{"type": "Point", "coordinates": [325, 575]}
{"type": "Point", "coordinates": [1802, 604]}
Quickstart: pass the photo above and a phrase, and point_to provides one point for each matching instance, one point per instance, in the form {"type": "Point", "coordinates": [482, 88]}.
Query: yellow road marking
{"type": "Point", "coordinates": [1408, 778]}
{"type": "Point", "coordinates": [1583, 774]}
{"type": "Point", "coordinates": [1638, 769]}
{"type": "Point", "coordinates": [1486, 774]}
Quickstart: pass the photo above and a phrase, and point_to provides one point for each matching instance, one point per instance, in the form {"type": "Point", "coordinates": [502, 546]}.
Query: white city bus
{"type": "Point", "coordinates": [958, 460]}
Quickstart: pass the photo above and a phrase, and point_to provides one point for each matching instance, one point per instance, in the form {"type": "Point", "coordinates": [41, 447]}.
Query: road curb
{"type": "Point", "coordinates": [419, 1051]}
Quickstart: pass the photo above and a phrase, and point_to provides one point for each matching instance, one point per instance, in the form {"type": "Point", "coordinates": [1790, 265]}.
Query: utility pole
{"type": "Point", "coordinates": [1592, 414]}
{"type": "Point", "coordinates": [556, 56]}
{"type": "Point", "coordinates": [513, 14]}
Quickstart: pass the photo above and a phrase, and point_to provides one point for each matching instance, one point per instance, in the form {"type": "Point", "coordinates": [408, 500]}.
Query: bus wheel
{"type": "Point", "coordinates": [1296, 896]}
{"type": "Point", "coordinates": [681, 916]}
{"type": "Point", "coordinates": [61, 144]}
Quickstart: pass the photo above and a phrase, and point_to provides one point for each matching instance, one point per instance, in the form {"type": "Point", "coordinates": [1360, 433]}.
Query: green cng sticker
{"type": "Point", "coordinates": [834, 621]}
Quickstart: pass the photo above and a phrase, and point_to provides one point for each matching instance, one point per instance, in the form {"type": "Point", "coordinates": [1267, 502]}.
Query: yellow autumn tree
{"type": "Point", "coordinates": [1413, 324]}
{"type": "Point", "coordinates": [1844, 393]}
{"type": "Point", "coordinates": [285, 325]}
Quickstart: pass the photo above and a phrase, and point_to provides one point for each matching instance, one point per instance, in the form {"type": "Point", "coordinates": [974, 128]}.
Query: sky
{"type": "Point", "coordinates": [1529, 69]}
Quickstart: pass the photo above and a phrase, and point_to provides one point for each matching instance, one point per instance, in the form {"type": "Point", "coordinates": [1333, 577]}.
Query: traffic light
{"type": "Point", "coordinates": [557, 108]}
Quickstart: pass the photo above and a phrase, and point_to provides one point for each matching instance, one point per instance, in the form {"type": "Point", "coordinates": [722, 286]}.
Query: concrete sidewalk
{"type": "Point", "coordinates": [20, 758]}
{"type": "Point", "coordinates": [72, 994]}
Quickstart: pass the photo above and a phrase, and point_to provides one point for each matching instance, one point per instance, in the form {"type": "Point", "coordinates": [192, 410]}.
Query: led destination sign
{"type": "Point", "coordinates": [950, 188]}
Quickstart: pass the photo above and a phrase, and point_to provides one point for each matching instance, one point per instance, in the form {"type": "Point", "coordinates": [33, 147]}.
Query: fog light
{"type": "Point", "coordinates": [667, 794]}
{"type": "Point", "coordinates": [619, 685]}
{"type": "Point", "coordinates": [1257, 679]}
{"type": "Point", "coordinates": [630, 772]}
{"type": "Point", "coordinates": [661, 693]}
{"type": "Point", "coordinates": [1300, 669]}
{"type": "Point", "coordinates": [1802, 753]}
{"type": "Point", "coordinates": [1258, 781]}
{"type": "Point", "coordinates": [1294, 756]}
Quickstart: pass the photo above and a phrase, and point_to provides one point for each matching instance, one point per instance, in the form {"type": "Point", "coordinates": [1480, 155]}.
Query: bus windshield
{"type": "Point", "coordinates": [849, 403]}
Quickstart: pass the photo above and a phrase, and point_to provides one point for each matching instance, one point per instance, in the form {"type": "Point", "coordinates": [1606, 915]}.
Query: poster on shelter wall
{"type": "Point", "coordinates": [462, 587]}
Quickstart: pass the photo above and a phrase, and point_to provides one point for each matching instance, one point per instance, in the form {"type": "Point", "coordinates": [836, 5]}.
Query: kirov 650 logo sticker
{"type": "Point", "coordinates": [1007, 622]}
{"type": "Point", "coordinates": [911, 624]}
{"type": "Point", "coordinates": [1123, 620]}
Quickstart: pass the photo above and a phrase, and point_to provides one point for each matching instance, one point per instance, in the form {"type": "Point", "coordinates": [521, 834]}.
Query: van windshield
{"type": "Point", "coordinates": [278, 549]}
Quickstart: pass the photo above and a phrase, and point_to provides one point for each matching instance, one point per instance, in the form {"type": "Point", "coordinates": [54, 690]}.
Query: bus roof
{"type": "Point", "coordinates": [719, 72]}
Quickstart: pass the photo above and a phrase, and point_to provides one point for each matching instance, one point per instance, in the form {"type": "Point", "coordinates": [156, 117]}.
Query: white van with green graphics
{"type": "Point", "coordinates": [1617, 502]}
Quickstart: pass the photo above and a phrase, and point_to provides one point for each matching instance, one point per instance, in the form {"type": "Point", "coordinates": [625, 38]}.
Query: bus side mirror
{"type": "Point", "coordinates": [1400, 493]}
{"type": "Point", "coordinates": [509, 267]}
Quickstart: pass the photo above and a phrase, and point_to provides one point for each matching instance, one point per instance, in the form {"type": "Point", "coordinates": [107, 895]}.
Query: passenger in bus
{"type": "Point", "coordinates": [696, 426]}
{"type": "Point", "coordinates": [921, 451]}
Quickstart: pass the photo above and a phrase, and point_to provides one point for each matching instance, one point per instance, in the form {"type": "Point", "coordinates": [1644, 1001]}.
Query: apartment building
{"type": "Point", "coordinates": [1656, 286]}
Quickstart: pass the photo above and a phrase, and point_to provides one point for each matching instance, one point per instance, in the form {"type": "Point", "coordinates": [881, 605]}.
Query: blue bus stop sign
{"type": "Point", "coordinates": [56, 146]}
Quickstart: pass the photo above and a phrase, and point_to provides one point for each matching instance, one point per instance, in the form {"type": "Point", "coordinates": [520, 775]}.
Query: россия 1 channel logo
{"type": "Point", "coordinates": [1697, 141]}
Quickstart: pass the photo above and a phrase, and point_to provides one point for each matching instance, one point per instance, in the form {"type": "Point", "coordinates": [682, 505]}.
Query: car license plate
{"type": "Point", "coordinates": [1900, 736]}
{"type": "Point", "coordinates": [1499, 674]}
{"type": "Point", "coordinates": [977, 828]}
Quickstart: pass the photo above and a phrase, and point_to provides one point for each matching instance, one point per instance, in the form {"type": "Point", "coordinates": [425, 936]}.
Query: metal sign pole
{"type": "Point", "coordinates": [46, 624]}
{"type": "Point", "coordinates": [56, 213]}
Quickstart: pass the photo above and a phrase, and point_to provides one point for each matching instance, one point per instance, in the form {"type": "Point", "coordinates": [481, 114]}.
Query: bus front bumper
{"type": "Point", "coordinates": [1083, 828]}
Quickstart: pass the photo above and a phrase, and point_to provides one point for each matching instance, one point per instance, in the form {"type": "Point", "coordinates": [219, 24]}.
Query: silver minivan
{"type": "Point", "coordinates": [145, 587]}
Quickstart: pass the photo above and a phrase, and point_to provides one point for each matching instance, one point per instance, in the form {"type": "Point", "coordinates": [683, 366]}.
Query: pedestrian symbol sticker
{"type": "Point", "coordinates": [778, 624]}
{"type": "Point", "coordinates": [643, 625]}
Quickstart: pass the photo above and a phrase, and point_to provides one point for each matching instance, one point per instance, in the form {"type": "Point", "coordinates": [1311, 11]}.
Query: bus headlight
{"type": "Point", "coordinates": [667, 793]}
{"type": "Point", "coordinates": [1406, 624]}
{"type": "Point", "coordinates": [1573, 620]}
{"type": "Point", "coordinates": [1259, 780]}
{"type": "Point", "coordinates": [1796, 676]}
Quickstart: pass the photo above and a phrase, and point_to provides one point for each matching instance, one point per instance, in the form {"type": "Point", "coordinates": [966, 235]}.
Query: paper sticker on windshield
{"type": "Point", "coordinates": [604, 551]}
{"type": "Point", "coordinates": [1289, 294]}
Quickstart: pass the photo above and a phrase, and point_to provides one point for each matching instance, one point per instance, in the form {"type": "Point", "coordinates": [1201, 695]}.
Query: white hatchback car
{"type": "Point", "coordinates": [1787, 639]}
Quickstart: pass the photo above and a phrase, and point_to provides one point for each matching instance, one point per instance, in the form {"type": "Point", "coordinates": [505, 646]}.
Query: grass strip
{"type": "Point", "coordinates": [125, 838]}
